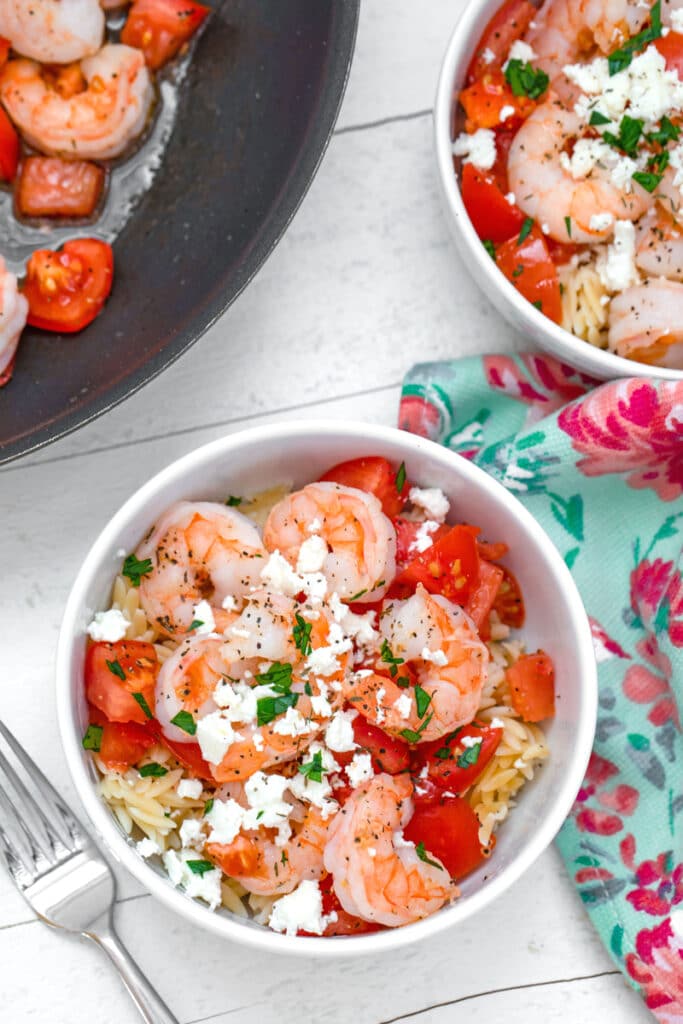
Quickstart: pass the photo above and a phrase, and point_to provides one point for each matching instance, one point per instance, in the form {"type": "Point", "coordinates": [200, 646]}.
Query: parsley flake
{"type": "Point", "coordinates": [524, 80]}
{"type": "Point", "coordinates": [630, 130]}
{"type": "Point", "coordinates": [186, 722]}
{"type": "Point", "coordinates": [568, 225]}
{"type": "Point", "coordinates": [413, 735]}
{"type": "Point", "coordinates": [359, 594]}
{"type": "Point", "coordinates": [153, 770]}
{"type": "Point", "coordinates": [469, 756]}
{"type": "Point", "coordinates": [388, 658]}
{"type": "Point", "coordinates": [208, 805]}
{"type": "Point", "coordinates": [647, 180]}
{"type": "Point", "coordinates": [424, 856]}
{"type": "Point", "coordinates": [115, 668]}
{"type": "Point", "coordinates": [598, 118]}
{"type": "Point", "coordinates": [195, 624]}
{"type": "Point", "coordinates": [200, 867]}
{"type": "Point", "coordinates": [139, 697]}
{"type": "Point", "coordinates": [422, 700]}
{"type": "Point", "coordinates": [134, 569]}
{"type": "Point", "coordinates": [313, 770]}
{"type": "Point", "coordinates": [302, 635]}
{"type": "Point", "coordinates": [278, 676]}
{"type": "Point", "coordinates": [490, 248]}
{"type": "Point", "coordinates": [621, 58]}
{"type": "Point", "coordinates": [232, 501]}
{"type": "Point", "coordinates": [92, 739]}
{"type": "Point", "coordinates": [525, 230]}
{"type": "Point", "coordinates": [268, 708]}
{"type": "Point", "coordinates": [400, 480]}
{"type": "Point", "coordinates": [667, 132]}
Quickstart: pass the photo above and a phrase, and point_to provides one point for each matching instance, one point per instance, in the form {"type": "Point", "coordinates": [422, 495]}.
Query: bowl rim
{"type": "Point", "coordinates": [581, 354]}
{"type": "Point", "coordinates": [108, 831]}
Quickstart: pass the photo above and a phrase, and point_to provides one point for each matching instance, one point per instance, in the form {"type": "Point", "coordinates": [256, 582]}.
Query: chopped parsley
{"type": "Point", "coordinates": [268, 708]}
{"type": "Point", "coordinates": [233, 501]}
{"type": "Point", "coordinates": [424, 856]}
{"type": "Point", "coordinates": [153, 770]}
{"type": "Point", "coordinates": [598, 118]}
{"type": "Point", "coordinates": [195, 624]}
{"type": "Point", "coordinates": [93, 738]}
{"type": "Point", "coordinates": [302, 635]}
{"type": "Point", "coordinates": [422, 700]}
{"type": "Point", "coordinates": [186, 722]}
{"type": "Point", "coordinates": [200, 867]}
{"type": "Point", "coordinates": [519, 269]}
{"type": "Point", "coordinates": [115, 668]}
{"type": "Point", "coordinates": [208, 805]}
{"type": "Point", "coordinates": [359, 594]}
{"type": "Point", "coordinates": [538, 304]}
{"type": "Point", "coordinates": [134, 569]}
{"type": "Point", "coordinates": [469, 756]}
{"type": "Point", "coordinates": [278, 676]}
{"type": "Point", "coordinates": [525, 230]}
{"type": "Point", "coordinates": [413, 735]}
{"type": "Point", "coordinates": [568, 225]}
{"type": "Point", "coordinates": [630, 130]}
{"type": "Point", "coordinates": [143, 704]}
{"type": "Point", "coordinates": [388, 658]}
{"type": "Point", "coordinates": [490, 248]}
{"type": "Point", "coordinates": [313, 769]}
{"type": "Point", "coordinates": [667, 132]}
{"type": "Point", "coordinates": [622, 57]}
{"type": "Point", "coordinates": [400, 480]}
{"type": "Point", "coordinates": [403, 681]}
{"type": "Point", "coordinates": [308, 689]}
{"type": "Point", "coordinates": [524, 80]}
{"type": "Point", "coordinates": [659, 162]}
{"type": "Point", "coordinates": [648, 180]}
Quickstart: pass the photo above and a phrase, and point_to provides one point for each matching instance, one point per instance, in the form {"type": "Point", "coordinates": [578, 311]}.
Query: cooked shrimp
{"type": "Point", "coordinates": [439, 642]}
{"type": "Point", "coordinates": [646, 323]}
{"type": "Point", "coordinates": [199, 551]}
{"type": "Point", "coordinates": [378, 876]}
{"type": "Point", "coordinates": [13, 313]}
{"type": "Point", "coordinates": [187, 681]}
{"type": "Point", "coordinates": [659, 250]}
{"type": "Point", "coordinates": [96, 124]}
{"type": "Point", "coordinates": [53, 31]}
{"type": "Point", "coordinates": [269, 868]}
{"type": "Point", "coordinates": [361, 540]}
{"type": "Point", "coordinates": [546, 191]}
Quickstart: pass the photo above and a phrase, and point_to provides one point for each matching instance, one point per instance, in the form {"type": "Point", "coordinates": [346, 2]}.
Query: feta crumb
{"type": "Point", "coordinates": [432, 501]}
{"type": "Point", "coordinates": [191, 788]}
{"type": "Point", "coordinates": [469, 741]}
{"type": "Point", "coordinates": [488, 57]}
{"type": "Point", "coordinates": [320, 704]}
{"type": "Point", "coordinates": [423, 537]}
{"type": "Point", "coordinates": [600, 221]}
{"type": "Point", "coordinates": [505, 112]}
{"type": "Point", "coordinates": [203, 613]}
{"type": "Point", "coordinates": [315, 526]}
{"type": "Point", "coordinates": [400, 842]}
{"type": "Point", "coordinates": [323, 661]}
{"type": "Point", "coordinates": [215, 734]}
{"type": "Point", "coordinates": [339, 733]}
{"type": "Point", "coordinates": [511, 198]}
{"type": "Point", "coordinates": [191, 833]}
{"type": "Point", "coordinates": [404, 706]}
{"type": "Point", "coordinates": [230, 603]}
{"type": "Point", "coordinates": [206, 886]}
{"type": "Point", "coordinates": [301, 910]}
{"type": "Point", "coordinates": [436, 657]}
{"type": "Point", "coordinates": [520, 51]}
{"type": "Point", "coordinates": [147, 847]}
{"type": "Point", "coordinates": [478, 149]}
{"type": "Point", "coordinates": [545, 228]}
{"type": "Point", "coordinates": [239, 631]}
{"type": "Point", "coordinates": [108, 626]}
{"type": "Point", "coordinates": [312, 555]}
{"type": "Point", "coordinates": [317, 793]}
{"type": "Point", "coordinates": [371, 851]}
{"type": "Point", "coordinates": [360, 769]}
{"type": "Point", "coordinates": [225, 819]}
{"type": "Point", "coordinates": [618, 269]}
{"type": "Point", "coordinates": [676, 18]}
{"type": "Point", "coordinates": [497, 723]}
{"type": "Point", "coordinates": [293, 723]}
{"type": "Point", "coordinates": [267, 806]}
{"type": "Point", "coordinates": [278, 573]}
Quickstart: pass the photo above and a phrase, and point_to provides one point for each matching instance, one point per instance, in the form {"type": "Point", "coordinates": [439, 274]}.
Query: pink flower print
{"type": "Point", "coordinates": [631, 426]}
{"type": "Point", "coordinates": [650, 581]}
{"type": "Point", "coordinates": [649, 650]}
{"type": "Point", "coordinates": [659, 881]}
{"type": "Point", "coordinates": [419, 416]}
{"type": "Point", "coordinates": [674, 596]}
{"type": "Point", "coordinates": [642, 686]}
{"type": "Point", "coordinates": [604, 645]}
{"type": "Point", "coordinates": [657, 966]}
{"type": "Point", "coordinates": [546, 385]}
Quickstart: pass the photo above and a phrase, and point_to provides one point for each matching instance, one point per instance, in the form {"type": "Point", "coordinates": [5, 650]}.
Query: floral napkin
{"type": "Point", "coordinates": [601, 468]}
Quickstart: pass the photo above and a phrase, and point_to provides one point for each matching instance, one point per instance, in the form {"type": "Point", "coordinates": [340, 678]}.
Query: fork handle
{"type": "Point", "coordinates": [148, 1001]}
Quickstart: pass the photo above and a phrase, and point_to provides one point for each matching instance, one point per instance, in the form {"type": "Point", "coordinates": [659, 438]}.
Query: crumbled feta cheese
{"type": "Point", "coordinates": [618, 269]}
{"type": "Point", "coordinates": [320, 705]}
{"type": "Point", "coordinates": [293, 723]}
{"type": "Point", "coordinates": [239, 631]}
{"type": "Point", "coordinates": [315, 526]}
{"type": "Point", "coordinates": [404, 705]}
{"type": "Point", "coordinates": [436, 657]}
{"type": "Point", "coordinates": [505, 112]}
{"type": "Point", "coordinates": [230, 603]}
{"type": "Point", "coordinates": [323, 661]}
{"type": "Point", "coordinates": [497, 723]}
{"type": "Point", "coordinates": [147, 847]}
{"type": "Point", "coordinates": [238, 700]}
{"type": "Point", "coordinates": [339, 733]}
{"type": "Point", "coordinates": [225, 819]}
{"type": "Point", "coordinates": [267, 806]}
{"type": "Point", "coordinates": [423, 537]}
{"type": "Point", "coordinates": [301, 910]}
{"type": "Point", "coordinates": [379, 697]}
{"type": "Point", "coordinates": [478, 149]}
{"type": "Point", "coordinates": [676, 17]}
{"type": "Point", "coordinates": [191, 833]}
{"type": "Point", "coordinates": [432, 501]}
{"type": "Point", "coordinates": [360, 628]}
{"type": "Point", "coordinates": [520, 51]}
{"type": "Point", "coordinates": [511, 198]}
{"type": "Point", "coordinates": [206, 886]}
{"type": "Point", "coordinates": [191, 788]}
{"type": "Point", "coordinates": [585, 155]}
{"type": "Point", "coordinates": [400, 842]}
{"type": "Point", "coordinates": [360, 769]}
{"type": "Point", "coordinates": [622, 173]}
{"type": "Point", "coordinates": [488, 57]}
{"type": "Point", "coordinates": [371, 851]}
{"type": "Point", "coordinates": [312, 555]}
{"type": "Point", "coordinates": [469, 741]}
{"type": "Point", "coordinates": [312, 791]}
{"type": "Point", "coordinates": [279, 575]}
{"type": "Point", "coordinates": [600, 221]}
{"type": "Point", "coordinates": [203, 614]}
{"type": "Point", "coordinates": [215, 734]}
{"type": "Point", "coordinates": [108, 626]}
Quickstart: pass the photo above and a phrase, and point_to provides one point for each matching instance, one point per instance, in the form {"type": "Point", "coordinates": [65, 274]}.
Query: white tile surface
{"type": "Point", "coordinates": [364, 283]}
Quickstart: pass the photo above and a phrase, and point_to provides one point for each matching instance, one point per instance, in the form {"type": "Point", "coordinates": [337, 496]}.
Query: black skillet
{"type": "Point", "coordinates": [256, 112]}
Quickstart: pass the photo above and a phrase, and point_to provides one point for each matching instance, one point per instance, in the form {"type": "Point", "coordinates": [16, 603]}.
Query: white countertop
{"type": "Point", "coordinates": [364, 283]}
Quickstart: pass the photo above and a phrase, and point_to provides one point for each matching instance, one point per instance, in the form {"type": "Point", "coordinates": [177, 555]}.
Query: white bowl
{"type": "Point", "coordinates": [505, 297]}
{"type": "Point", "coordinates": [297, 453]}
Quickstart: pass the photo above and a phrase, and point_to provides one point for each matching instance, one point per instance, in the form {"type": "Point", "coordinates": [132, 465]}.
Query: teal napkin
{"type": "Point", "coordinates": [601, 468]}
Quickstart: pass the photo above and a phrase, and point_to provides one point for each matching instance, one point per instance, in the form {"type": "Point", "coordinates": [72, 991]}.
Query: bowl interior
{"type": "Point", "coordinates": [448, 123]}
{"type": "Point", "coordinates": [255, 460]}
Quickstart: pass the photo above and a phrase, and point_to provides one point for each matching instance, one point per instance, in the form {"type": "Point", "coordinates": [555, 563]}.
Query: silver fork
{"type": "Point", "coordinates": [61, 873]}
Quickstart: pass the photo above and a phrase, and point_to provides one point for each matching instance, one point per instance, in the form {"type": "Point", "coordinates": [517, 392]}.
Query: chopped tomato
{"type": "Point", "coordinates": [492, 550]}
{"type": "Point", "coordinates": [122, 743]}
{"type": "Point", "coordinates": [449, 830]}
{"type": "Point", "coordinates": [406, 536]}
{"type": "Point", "coordinates": [532, 686]}
{"type": "Point", "coordinates": [484, 101]}
{"type": "Point", "coordinates": [133, 660]}
{"type": "Point", "coordinates": [376, 476]}
{"type": "Point", "coordinates": [9, 148]}
{"type": "Point", "coordinates": [449, 567]}
{"type": "Point", "coordinates": [346, 924]}
{"type": "Point", "coordinates": [67, 289]}
{"type": "Point", "coordinates": [5, 47]}
{"type": "Point", "coordinates": [492, 216]}
{"type": "Point", "coordinates": [671, 48]}
{"type": "Point", "coordinates": [189, 755]}
{"type": "Point", "coordinates": [450, 763]}
{"type": "Point", "coordinates": [527, 264]}
{"type": "Point", "coordinates": [483, 596]}
{"type": "Point", "coordinates": [499, 171]}
{"type": "Point", "coordinates": [160, 27]}
{"type": "Point", "coordinates": [561, 252]}
{"type": "Point", "coordinates": [388, 754]}
{"type": "Point", "coordinates": [509, 603]}
{"type": "Point", "coordinates": [50, 187]}
{"type": "Point", "coordinates": [509, 23]}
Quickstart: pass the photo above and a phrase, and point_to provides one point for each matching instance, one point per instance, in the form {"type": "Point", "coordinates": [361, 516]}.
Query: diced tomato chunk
{"type": "Point", "coordinates": [67, 289]}
{"type": "Point", "coordinates": [122, 743]}
{"type": "Point", "coordinates": [449, 830]}
{"type": "Point", "coordinates": [450, 763]}
{"type": "Point", "coordinates": [5, 47]}
{"type": "Point", "coordinates": [492, 551]}
{"type": "Point", "coordinates": [527, 264]}
{"type": "Point", "coordinates": [485, 100]}
{"type": "Point", "coordinates": [532, 686]}
{"type": "Point", "coordinates": [388, 753]}
{"type": "Point", "coordinates": [483, 595]}
{"type": "Point", "coordinates": [9, 148]}
{"type": "Point", "coordinates": [50, 187]}
{"type": "Point", "coordinates": [406, 536]}
{"type": "Point", "coordinates": [449, 567]}
{"type": "Point", "coordinates": [671, 48]}
{"type": "Point", "coordinates": [115, 672]}
{"type": "Point", "coordinates": [509, 603]}
{"type": "Point", "coordinates": [189, 755]}
{"type": "Point", "coordinates": [161, 27]}
{"type": "Point", "coordinates": [375, 475]}
{"type": "Point", "coordinates": [492, 217]}
{"type": "Point", "coordinates": [509, 23]}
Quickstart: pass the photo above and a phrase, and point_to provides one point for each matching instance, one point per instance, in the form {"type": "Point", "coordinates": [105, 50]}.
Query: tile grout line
{"type": "Point", "coordinates": [12, 467]}
{"type": "Point", "coordinates": [381, 122]}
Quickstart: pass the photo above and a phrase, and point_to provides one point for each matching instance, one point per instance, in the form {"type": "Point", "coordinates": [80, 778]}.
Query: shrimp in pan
{"type": "Point", "coordinates": [13, 313]}
{"type": "Point", "coordinates": [96, 124]}
{"type": "Point", "coordinates": [378, 875]}
{"type": "Point", "coordinates": [53, 31]}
